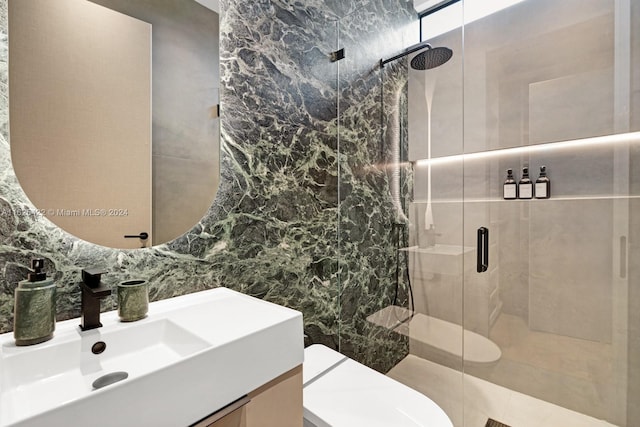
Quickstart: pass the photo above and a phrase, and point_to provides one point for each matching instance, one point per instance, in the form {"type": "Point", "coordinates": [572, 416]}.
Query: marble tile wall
{"type": "Point", "coordinates": [367, 267]}
{"type": "Point", "coordinates": [297, 220]}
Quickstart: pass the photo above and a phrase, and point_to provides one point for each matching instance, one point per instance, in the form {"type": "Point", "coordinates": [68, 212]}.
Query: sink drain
{"type": "Point", "coordinates": [98, 347]}
{"type": "Point", "coordinates": [109, 379]}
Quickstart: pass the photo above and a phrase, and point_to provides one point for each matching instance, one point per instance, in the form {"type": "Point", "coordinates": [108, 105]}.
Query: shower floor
{"type": "Point", "coordinates": [573, 373]}
{"type": "Point", "coordinates": [482, 399]}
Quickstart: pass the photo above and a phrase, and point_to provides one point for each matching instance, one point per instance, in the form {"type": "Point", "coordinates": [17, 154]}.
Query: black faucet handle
{"type": "Point", "coordinates": [91, 276]}
{"type": "Point", "coordinates": [97, 293]}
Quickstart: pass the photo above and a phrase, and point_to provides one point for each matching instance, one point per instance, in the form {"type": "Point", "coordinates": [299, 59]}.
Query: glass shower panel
{"type": "Point", "coordinates": [422, 111]}
{"type": "Point", "coordinates": [548, 83]}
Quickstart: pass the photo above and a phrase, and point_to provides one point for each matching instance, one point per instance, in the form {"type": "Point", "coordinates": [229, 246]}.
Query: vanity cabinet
{"type": "Point", "coordinates": [275, 404]}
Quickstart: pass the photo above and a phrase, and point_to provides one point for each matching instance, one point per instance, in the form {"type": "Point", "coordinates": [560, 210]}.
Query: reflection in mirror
{"type": "Point", "coordinates": [105, 96]}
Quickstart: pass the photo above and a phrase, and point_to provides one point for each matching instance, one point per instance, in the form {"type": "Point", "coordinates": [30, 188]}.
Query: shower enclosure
{"type": "Point", "coordinates": [521, 311]}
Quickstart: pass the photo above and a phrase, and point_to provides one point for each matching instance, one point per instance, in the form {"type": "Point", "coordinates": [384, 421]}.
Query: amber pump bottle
{"type": "Point", "coordinates": [525, 186]}
{"type": "Point", "coordinates": [543, 184]}
{"type": "Point", "coordinates": [510, 187]}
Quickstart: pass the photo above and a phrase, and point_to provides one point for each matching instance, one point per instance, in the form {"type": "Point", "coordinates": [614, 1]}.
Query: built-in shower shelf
{"type": "Point", "coordinates": [443, 250]}
{"type": "Point", "coordinates": [438, 259]}
{"type": "Point", "coordinates": [552, 199]}
{"type": "Point", "coordinates": [429, 334]}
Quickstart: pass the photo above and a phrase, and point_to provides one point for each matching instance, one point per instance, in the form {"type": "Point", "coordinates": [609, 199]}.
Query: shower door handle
{"type": "Point", "coordinates": [483, 249]}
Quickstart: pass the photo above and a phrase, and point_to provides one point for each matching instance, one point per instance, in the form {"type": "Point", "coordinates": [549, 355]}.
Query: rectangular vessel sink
{"type": "Point", "coordinates": [192, 355]}
{"type": "Point", "coordinates": [50, 375]}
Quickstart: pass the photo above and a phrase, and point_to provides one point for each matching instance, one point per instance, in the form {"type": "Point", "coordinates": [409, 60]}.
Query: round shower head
{"type": "Point", "coordinates": [431, 58]}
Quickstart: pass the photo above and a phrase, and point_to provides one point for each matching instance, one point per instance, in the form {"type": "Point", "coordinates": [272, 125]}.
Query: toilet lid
{"type": "Point", "coordinates": [349, 394]}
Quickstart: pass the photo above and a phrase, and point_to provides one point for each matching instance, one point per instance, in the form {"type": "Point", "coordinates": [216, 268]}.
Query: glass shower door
{"type": "Point", "coordinates": [548, 300]}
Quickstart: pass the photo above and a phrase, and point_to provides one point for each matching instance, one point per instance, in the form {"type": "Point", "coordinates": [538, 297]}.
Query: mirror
{"type": "Point", "coordinates": [113, 107]}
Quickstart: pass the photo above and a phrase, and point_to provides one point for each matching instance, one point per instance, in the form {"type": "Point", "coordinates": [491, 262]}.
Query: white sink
{"type": "Point", "coordinates": [52, 375]}
{"type": "Point", "coordinates": [191, 356]}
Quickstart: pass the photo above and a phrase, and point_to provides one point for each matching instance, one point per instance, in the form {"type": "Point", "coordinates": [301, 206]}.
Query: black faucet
{"type": "Point", "coordinates": [92, 292]}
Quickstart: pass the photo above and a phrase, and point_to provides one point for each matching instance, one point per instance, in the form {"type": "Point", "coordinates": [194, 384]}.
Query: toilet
{"type": "Point", "coordinates": [340, 392]}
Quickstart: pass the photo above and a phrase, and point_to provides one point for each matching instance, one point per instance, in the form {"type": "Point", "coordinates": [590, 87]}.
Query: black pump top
{"type": "Point", "coordinates": [525, 172]}
{"type": "Point", "coordinates": [543, 171]}
{"type": "Point", "coordinates": [37, 275]}
{"type": "Point", "coordinates": [509, 172]}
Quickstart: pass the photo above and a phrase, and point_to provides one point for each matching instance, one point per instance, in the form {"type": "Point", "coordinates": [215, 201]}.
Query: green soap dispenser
{"type": "Point", "coordinates": [34, 316]}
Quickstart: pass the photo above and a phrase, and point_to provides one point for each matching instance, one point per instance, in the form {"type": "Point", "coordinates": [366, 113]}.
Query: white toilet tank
{"type": "Point", "coordinates": [340, 392]}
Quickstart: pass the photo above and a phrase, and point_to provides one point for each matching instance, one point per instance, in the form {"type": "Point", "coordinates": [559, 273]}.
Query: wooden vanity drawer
{"type": "Point", "coordinates": [275, 404]}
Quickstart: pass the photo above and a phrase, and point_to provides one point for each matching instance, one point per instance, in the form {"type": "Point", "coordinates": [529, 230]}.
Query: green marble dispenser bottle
{"type": "Point", "coordinates": [34, 316]}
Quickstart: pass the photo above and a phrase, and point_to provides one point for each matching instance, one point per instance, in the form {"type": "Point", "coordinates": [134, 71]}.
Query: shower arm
{"type": "Point", "coordinates": [408, 51]}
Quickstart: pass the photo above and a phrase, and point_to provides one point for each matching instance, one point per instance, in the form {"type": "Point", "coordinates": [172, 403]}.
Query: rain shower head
{"type": "Point", "coordinates": [431, 58]}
